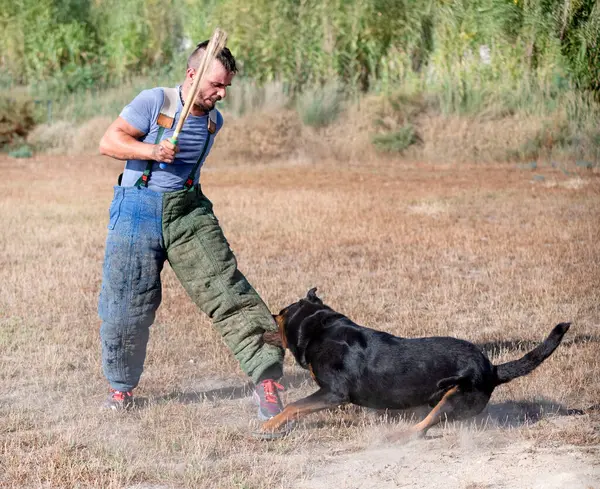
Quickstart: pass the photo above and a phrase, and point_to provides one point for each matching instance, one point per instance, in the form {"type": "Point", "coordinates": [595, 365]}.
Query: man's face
{"type": "Point", "coordinates": [213, 87]}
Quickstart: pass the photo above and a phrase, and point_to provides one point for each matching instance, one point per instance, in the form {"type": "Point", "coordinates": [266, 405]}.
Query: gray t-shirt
{"type": "Point", "coordinates": [142, 114]}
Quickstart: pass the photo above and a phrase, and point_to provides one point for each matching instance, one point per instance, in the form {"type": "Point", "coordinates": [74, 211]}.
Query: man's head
{"type": "Point", "coordinates": [216, 80]}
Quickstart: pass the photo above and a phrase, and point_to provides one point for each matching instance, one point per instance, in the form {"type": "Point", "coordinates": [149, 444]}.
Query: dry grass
{"type": "Point", "coordinates": [261, 126]}
{"type": "Point", "coordinates": [259, 136]}
{"type": "Point", "coordinates": [473, 138]}
{"type": "Point", "coordinates": [271, 133]}
{"type": "Point", "coordinates": [69, 137]}
{"type": "Point", "coordinates": [480, 252]}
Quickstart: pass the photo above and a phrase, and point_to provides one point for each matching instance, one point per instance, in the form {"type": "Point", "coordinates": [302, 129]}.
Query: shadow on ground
{"type": "Point", "coordinates": [231, 392]}
{"type": "Point", "coordinates": [493, 348]}
{"type": "Point", "coordinates": [506, 414]}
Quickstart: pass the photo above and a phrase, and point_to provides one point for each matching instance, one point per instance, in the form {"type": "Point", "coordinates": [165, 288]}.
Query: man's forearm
{"type": "Point", "coordinates": [122, 146]}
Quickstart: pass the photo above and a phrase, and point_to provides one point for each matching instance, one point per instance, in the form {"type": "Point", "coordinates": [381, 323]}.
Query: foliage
{"type": "Point", "coordinates": [547, 139]}
{"type": "Point", "coordinates": [22, 151]}
{"type": "Point", "coordinates": [46, 39]}
{"type": "Point", "coordinates": [364, 44]}
{"type": "Point", "coordinates": [16, 120]}
{"type": "Point", "coordinates": [60, 46]}
{"type": "Point", "coordinates": [489, 58]}
{"type": "Point", "coordinates": [396, 141]}
{"type": "Point", "coordinates": [319, 107]}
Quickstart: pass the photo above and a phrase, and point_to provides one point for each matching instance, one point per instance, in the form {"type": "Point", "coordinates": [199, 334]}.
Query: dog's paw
{"type": "Point", "coordinates": [269, 435]}
{"type": "Point", "coordinates": [266, 432]}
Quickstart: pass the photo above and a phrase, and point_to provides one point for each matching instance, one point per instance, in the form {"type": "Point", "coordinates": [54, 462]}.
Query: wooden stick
{"type": "Point", "coordinates": [215, 45]}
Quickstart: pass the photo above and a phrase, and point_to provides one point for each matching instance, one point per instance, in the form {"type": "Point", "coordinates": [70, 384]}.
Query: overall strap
{"type": "Point", "coordinates": [190, 179]}
{"type": "Point", "coordinates": [212, 128]}
{"type": "Point", "coordinates": [165, 120]}
{"type": "Point", "coordinates": [143, 180]}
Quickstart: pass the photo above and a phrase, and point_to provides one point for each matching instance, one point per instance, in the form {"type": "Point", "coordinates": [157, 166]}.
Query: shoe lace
{"type": "Point", "coordinates": [270, 388]}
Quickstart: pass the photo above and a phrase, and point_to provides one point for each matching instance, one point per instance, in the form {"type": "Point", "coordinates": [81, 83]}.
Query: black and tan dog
{"type": "Point", "coordinates": [362, 366]}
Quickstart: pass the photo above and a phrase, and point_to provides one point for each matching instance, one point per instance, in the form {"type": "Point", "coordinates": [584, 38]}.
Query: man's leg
{"type": "Point", "coordinates": [204, 263]}
{"type": "Point", "coordinates": [131, 288]}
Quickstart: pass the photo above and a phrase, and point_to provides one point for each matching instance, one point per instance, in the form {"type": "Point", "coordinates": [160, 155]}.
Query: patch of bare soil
{"type": "Point", "coordinates": [463, 460]}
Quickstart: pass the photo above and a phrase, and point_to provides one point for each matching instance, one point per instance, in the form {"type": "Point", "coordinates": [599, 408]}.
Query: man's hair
{"type": "Point", "coordinates": [225, 57]}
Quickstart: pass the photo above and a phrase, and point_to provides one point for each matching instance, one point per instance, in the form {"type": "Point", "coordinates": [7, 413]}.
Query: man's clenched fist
{"type": "Point", "coordinates": [164, 151]}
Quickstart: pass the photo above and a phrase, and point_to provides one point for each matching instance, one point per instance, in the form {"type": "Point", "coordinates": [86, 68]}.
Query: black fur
{"type": "Point", "coordinates": [354, 364]}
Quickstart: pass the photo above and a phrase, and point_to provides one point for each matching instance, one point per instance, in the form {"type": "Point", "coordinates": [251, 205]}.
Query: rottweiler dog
{"type": "Point", "coordinates": [362, 366]}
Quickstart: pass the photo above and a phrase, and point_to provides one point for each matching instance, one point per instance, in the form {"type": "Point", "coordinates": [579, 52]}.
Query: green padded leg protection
{"type": "Point", "coordinates": [204, 263]}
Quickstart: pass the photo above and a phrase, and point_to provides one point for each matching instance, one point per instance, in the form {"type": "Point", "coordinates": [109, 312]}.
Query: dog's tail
{"type": "Point", "coordinates": [525, 365]}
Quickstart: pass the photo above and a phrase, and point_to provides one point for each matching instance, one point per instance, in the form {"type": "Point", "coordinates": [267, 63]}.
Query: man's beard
{"type": "Point", "coordinates": [204, 108]}
{"type": "Point", "coordinates": [202, 105]}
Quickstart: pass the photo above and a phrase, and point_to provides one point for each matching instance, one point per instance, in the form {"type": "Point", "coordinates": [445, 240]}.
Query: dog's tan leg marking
{"type": "Point", "coordinates": [312, 373]}
{"type": "Point", "coordinates": [294, 411]}
{"type": "Point", "coordinates": [430, 420]}
{"type": "Point", "coordinates": [280, 320]}
{"type": "Point", "coordinates": [435, 414]}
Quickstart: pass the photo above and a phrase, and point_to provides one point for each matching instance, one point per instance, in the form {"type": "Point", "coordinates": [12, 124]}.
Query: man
{"type": "Point", "coordinates": [160, 213]}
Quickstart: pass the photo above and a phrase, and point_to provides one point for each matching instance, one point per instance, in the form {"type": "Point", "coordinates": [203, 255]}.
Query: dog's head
{"type": "Point", "coordinates": [292, 324]}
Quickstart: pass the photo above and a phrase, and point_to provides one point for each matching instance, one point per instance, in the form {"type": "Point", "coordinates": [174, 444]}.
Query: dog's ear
{"type": "Point", "coordinates": [312, 296]}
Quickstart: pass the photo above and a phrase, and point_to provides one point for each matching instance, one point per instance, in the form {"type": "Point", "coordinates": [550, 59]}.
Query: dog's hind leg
{"type": "Point", "coordinates": [444, 407]}
{"type": "Point", "coordinates": [455, 404]}
{"type": "Point", "coordinates": [464, 379]}
{"type": "Point", "coordinates": [322, 399]}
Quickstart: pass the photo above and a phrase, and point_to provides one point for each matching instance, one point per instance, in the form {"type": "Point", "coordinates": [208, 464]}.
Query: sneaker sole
{"type": "Point", "coordinates": [116, 406]}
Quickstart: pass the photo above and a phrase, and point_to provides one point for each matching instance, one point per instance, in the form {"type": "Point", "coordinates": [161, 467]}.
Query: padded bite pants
{"type": "Point", "coordinates": [145, 229]}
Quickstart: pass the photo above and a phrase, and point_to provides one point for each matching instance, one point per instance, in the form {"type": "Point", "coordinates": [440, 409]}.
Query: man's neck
{"type": "Point", "coordinates": [194, 110]}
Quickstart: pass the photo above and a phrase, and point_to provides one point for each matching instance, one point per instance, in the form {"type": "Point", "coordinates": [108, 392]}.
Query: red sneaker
{"type": "Point", "coordinates": [266, 396]}
{"type": "Point", "coordinates": [118, 401]}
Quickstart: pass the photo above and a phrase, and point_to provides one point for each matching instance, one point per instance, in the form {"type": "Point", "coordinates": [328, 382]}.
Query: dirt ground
{"type": "Point", "coordinates": [496, 254]}
{"type": "Point", "coordinates": [464, 460]}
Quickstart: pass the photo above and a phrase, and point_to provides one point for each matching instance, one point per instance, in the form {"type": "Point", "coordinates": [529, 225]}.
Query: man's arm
{"type": "Point", "coordinates": [121, 141]}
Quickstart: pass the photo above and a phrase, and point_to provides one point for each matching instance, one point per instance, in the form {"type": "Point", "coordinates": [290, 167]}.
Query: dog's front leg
{"type": "Point", "coordinates": [322, 399]}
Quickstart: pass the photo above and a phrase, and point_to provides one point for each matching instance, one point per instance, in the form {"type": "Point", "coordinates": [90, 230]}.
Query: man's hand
{"type": "Point", "coordinates": [164, 151]}
{"type": "Point", "coordinates": [122, 141]}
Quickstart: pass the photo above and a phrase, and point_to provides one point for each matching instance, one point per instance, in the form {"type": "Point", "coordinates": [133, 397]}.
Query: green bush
{"type": "Point", "coordinates": [319, 107]}
{"type": "Point", "coordinates": [397, 141]}
{"type": "Point", "coordinates": [16, 120]}
{"type": "Point", "coordinates": [558, 139]}
{"type": "Point", "coordinates": [23, 151]}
